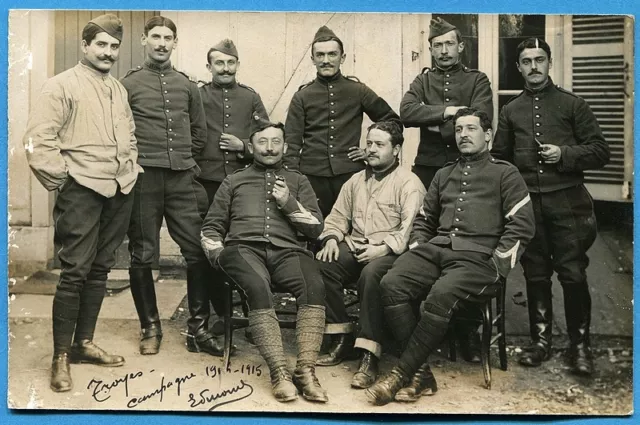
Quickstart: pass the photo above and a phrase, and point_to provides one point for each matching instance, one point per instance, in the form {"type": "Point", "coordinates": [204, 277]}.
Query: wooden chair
{"type": "Point", "coordinates": [487, 339]}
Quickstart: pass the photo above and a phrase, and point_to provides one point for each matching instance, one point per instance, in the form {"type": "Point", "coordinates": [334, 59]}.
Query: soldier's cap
{"type": "Point", "coordinates": [108, 23]}
{"type": "Point", "coordinates": [324, 33]}
{"type": "Point", "coordinates": [439, 27]}
{"type": "Point", "coordinates": [258, 123]}
{"type": "Point", "coordinates": [227, 47]}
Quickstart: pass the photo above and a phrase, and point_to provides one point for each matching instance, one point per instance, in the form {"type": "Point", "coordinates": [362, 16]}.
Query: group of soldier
{"type": "Point", "coordinates": [252, 202]}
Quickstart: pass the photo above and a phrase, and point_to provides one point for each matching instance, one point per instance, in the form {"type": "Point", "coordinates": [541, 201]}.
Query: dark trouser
{"type": "Point", "coordinates": [565, 230]}
{"type": "Point", "coordinates": [88, 229]}
{"type": "Point", "coordinates": [446, 278]}
{"type": "Point", "coordinates": [211, 188]}
{"type": "Point", "coordinates": [259, 267]}
{"type": "Point", "coordinates": [327, 190]}
{"type": "Point", "coordinates": [182, 201]}
{"type": "Point", "coordinates": [425, 173]}
{"type": "Point", "coordinates": [344, 273]}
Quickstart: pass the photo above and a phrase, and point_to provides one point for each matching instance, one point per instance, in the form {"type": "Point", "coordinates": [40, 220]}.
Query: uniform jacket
{"type": "Point", "coordinates": [325, 120]}
{"type": "Point", "coordinates": [478, 204]}
{"type": "Point", "coordinates": [376, 209]}
{"type": "Point", "coordinates": [228, 110]}
{"type": "Point", "coordinates": [554, 116]}
{"type": "Point", "coordinates": [424, 104]}
{"type": "Point", "coordinates": [170, 122]}
{"type": "Point", "coordinates": [81, 126]}
{"type": "Point", "coordinates": [244, 210]}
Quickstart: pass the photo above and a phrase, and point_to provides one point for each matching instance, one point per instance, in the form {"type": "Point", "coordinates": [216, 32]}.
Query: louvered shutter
{"type": "Point", "coordinates": [600, 75]}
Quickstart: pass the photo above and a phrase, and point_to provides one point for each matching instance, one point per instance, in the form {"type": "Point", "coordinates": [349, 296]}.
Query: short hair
{"type": "Point", "coordinates": [485, 122]}
{"type": "Point", "coordinates": [390, 127]}
{"type": "Point", "coordinates": [328, 38]}
{"type": "Point", "coordinates": [90, 31]}
{"type": "Point", "coordinates": [160, 21]}
{"type": "Point", "coordinates": [277, 125]}
{"type": "Point", "coordinates": [533, 43]}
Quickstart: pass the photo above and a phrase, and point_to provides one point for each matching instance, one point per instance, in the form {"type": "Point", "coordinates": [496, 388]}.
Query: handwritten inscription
{"type": "Point", "coordinates": [223, 397]}
{"type": "Point", "coordinates": [101, 391]}
{"type": "Point", "coordinates": [136, 401]}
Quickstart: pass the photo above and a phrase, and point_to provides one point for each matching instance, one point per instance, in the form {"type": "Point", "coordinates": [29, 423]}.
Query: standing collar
{"type": "Point", "coordinates": [477, 157]}
{"type": "Point", "coordinates": [325, 80]}
{"type": "Point", "coordinates": [263, 168]}
{"type": "Point", "coordinates": [539, 90]}
{"type": "Point", "coordinates": [158, 67]}
{"type": "Point", "coordinates": [220, 86]}
{"type": "Point", "coordinates": [455, 67]}
{"type": "Point", "coordinates": [379, 176]}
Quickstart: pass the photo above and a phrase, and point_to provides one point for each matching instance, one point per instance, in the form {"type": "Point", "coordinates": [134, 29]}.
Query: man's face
{"type": "Point", "coordinates": [159, 43]}
{"type": "Point", "coordinates": [103, 51]}
{"type": "Point", "coordinates": [381, 154]}
{"type": "Point", "coordinates": [327, 57]}
{"type": "Point", "coordinates": [534, 65]}
{"type": "Point", "coordinates": [268, 146]}
{"type": "Point", "coordinates": [470, 137]}
{"type": "Point", "coordinates": [446, 50]}
{"type": "Point", "coordinates": [223, 67]}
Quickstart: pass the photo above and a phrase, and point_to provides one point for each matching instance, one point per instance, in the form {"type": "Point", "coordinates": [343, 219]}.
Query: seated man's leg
{"type": "Point", "coordinates": [336, 275]}
{"type": "Point", "coordinates": [466, 275]}
{"type": "Point", "coordinates": [246, 266]}
{"type": "Point", "coordinates": [297, 271]}
{"type": "Point", "coordinates": [371, 320]}
{"type": "Point", "coordinates": [409, 279]}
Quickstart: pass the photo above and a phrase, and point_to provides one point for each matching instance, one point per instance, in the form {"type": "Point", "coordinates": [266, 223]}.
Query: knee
{"type": "Point", "coordinates": [391, 291]}
{"type": "Point", "coordinates": [440, 303]}
{"type": "Point", "coordinates": [98, 275]}
{"type": "Point", "coordinates": [72, 286]}
{"type": "Point", "coordinates": [258, 296]}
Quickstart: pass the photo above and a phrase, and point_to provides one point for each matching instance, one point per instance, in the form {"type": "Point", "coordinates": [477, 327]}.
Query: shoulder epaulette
{"type": "Point", "coordinates": [513, 98]}
{"type": "Point", "coordinates": [499, 161]}
{"type": "Point", "coordinates": [132, 70]}
{"type": "Point", "coordinates": [203, 83]}
{"type": "Point", "coordinates": [352, 78]}
{"type": "Point", "coordinates": [455, 161]}
{"type": "Point", "coordinates": [566, 91]}
{"type": "Point", "coordinates": [246, 87]}
{"type": "Point", "coordinates": [467, 69]}
{"type": "Point", "coordinates": [189, 77]}
{"type": "Point", "coordinates": [286, 167]}
{"type": "Point", "coordinates": [305, 85]}
{"type": "Point", "coordinates": [242, 169]}
{"type": "Point", "coordinates": [425, 70]}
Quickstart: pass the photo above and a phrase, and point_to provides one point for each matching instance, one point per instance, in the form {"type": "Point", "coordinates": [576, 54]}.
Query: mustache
{"type": "Point", "coordinates": [161, 49]}
{"type": "Point", "coordinates": [535, 73]}
{"type": "Point", "coordinates": [106, 58]}
{"type": "Point", "coordinates": [227, 73]}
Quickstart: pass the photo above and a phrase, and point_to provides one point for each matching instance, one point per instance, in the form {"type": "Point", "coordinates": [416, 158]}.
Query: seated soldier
{"type": "Point", "coordinates": [367, 229]}
{"type": "Point", "coordinates": [250, 233]}
{"type": "Point", "coordinates": [476, 220]}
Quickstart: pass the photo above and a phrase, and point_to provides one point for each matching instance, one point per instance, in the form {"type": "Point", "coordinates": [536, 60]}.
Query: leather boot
{"type": "Point", "coordinates": [61, 373]}
{"type": "Point", "coordinates": [199, 279]}
{"type": "Point", "coordinates": [85, 351]}
{"type": "Point", "coordinates": [577, 306]}
{"type": "Point", "coordinates": [341, 349]}
{"type": "Point", "coordinates": [384, 391]}
{"type": "Point", "coordinates": [402, 321]}
{"type": "Point", "coordinates": [367, 371]}
{"type": "Point", "coordinates": [268, 338]}
{"type": "Point", "coordinates": [540, 305]}
{"type": "Point", "coordinates": [91, 298]}
{"type": "Point", "coordinates": [144, 297]}
{"type": "Point", "coordinates": [309, 331]}
{"type": "Point", "coordinates": [206, 342]}
{"type": "Point", "coordinates": [422, 383]}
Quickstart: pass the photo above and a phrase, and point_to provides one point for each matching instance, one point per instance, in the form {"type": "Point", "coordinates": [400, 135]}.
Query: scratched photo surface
{"type": "Point", "coordinates": [592, 57]}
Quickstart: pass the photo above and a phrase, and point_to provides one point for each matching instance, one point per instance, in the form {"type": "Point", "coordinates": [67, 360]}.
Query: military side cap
{"type": "Point", "coordinates": [439, 27]}
{"type": "Point", "coordinates": [258, 123]}
{"type": "Point", "coordinates": [227, 47]}
{"type": "Point", "coordinates": [110, 24]}
{"type": "Point", "coordinates": [325, 33]}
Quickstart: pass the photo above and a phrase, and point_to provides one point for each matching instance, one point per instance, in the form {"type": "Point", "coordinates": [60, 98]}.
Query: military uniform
{"type": "Point", "coordinates": [228, 110]}
{"type": "Point", "coordinates": [171, 129]}
{"type": "Point", "coordinates": [565, 220]}
{"type": "Point", "coordinates": [323, 122]}
{"type": "Point", "coordinates": [474, 225]}
{"type": "Point", "coordinates": [424, 104]}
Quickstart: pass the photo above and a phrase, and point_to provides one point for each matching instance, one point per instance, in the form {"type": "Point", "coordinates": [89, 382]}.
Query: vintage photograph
{"type": "Point", "coordinates": [320, 212]}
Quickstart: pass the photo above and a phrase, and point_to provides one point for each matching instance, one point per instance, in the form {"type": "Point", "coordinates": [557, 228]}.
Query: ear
{"type": "Point", "coordinates": [344, 56]}
{"type": "Point", "coordinates": [550, 63]}
{"type": "Point", "coordinates": [488, 135]}
{"type": "Point", "coordinates": [83, 46]}
{"type": "Point", "coordinates": [396, 150]}
{"type": "Point", "coordinates": [431, 50]}
{"type": "Point", "coordinates": [175, 43]}
{"type": "Point", "coordinates": [460, 47]}
{"type": "Point", "coordinates": [209, 68]}
{"type": "Point", "coordinates": [143, 40]}
{"type": "Point", "coordinates": [518, 65]}
{"type": "Point", "coordinates": [284, 148]}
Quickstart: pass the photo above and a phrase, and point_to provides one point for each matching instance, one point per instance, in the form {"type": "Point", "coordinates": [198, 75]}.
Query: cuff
{"type": "Point", "coordinates": [338, 328]}
{"type": "Point", "coordinates": [328, 238]}
{"type": "Point", "coordinates": [290, 206]}
{"type": "Point", "coordinates": [373, 347]}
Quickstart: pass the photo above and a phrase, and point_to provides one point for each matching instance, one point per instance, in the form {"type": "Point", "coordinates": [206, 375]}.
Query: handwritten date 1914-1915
{"type": "Point", "coordinates": [246, 369]}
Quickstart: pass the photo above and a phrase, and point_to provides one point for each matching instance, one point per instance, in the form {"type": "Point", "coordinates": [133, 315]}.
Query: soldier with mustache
{"type": "Point", "coordinates": [171, 130]}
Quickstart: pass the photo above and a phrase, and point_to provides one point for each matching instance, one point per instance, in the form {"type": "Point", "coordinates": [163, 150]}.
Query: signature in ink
{"type": "Point", "coordinates": [101, 390]}
{"type": "Point", "coordinates": [231, 395]}
{"type": "Point", "coordinates": [136, 401]}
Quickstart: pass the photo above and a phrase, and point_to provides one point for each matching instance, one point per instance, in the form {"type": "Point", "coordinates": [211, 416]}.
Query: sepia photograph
{"type": "Point", "coordinates": [414, 213]}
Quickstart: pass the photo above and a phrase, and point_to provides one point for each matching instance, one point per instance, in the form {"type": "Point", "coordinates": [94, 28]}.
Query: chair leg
{"type": "Point", "coordinates": [451, 337]}
{"type": "Point", "coordinates": [502, 340]}
{"type": "Point", "coordinates": [487, 326]}
{"type": "Point", "coordinates": [228, 325]}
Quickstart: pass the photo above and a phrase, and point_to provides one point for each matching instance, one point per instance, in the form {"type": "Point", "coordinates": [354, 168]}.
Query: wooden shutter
{"type": "Point", "coordinates": [600, 75]}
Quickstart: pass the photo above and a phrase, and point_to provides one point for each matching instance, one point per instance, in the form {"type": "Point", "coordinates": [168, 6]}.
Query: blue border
{"type": "Point", "coordinates": [628, 7]}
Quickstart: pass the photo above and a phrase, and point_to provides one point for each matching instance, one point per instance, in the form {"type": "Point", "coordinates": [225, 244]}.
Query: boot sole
{"type": "Point", "coordinates": [60, 390]}
{"type": "Point", "coordinates": [197, 350]}
{"type": "Point", "coordinates": [316, 399]}
{"type": "Point", "coordinates": [97, 364]}
{"type": "Point", "coordinates": [412, 399]}
{"type": "Point", "coordinates": [286, 399]}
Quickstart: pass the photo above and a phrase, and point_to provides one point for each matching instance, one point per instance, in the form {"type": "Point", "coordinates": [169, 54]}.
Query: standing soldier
{"type": "Point", "coordinates": [171, 129]}
{"type": "Point", "coordinates": [552, 136]}
{"type": "Point", "coordinates": [229, 108]}
{"type": "Point", "coordinates": [324, 122]}
{"type": "Point", "coordinates": [80, 140]}
{"type": "Point", "coordinates": [433, 99]}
